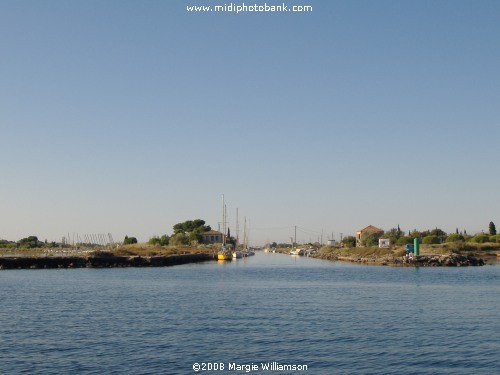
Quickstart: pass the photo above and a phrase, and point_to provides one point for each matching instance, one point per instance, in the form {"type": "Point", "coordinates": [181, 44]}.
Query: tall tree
{"type": "Point", "coordinates": [191, 226]}
{"type": "Point", "coordinates": [393, 234]}
{"type": "Point", "coordinates": [493, 230]}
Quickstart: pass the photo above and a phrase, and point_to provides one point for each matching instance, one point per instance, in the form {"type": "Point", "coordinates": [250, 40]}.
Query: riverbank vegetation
{"type": "Point", "coordinates": [136, 249]}
{"type": "Point", "coordinates": [186, 239]}
{"type": "Point", "coordinates": [397, 237]}
{"type": "Point", "coordinates": [144, 249]}
{"type": "Point", "coordinates": [481, 250]}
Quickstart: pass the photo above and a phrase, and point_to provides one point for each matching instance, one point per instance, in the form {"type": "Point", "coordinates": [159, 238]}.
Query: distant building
{"type": "Point", "coordinates": [368, 229]}
{"type": "Point", "coordinates": [211, 237]}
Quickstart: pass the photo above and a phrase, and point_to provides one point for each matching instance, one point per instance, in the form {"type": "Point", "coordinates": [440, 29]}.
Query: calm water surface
{"type": "Point", "coordinates": [336, 318]}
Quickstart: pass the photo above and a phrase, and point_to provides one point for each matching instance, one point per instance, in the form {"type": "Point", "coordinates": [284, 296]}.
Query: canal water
{"type": "Point", "coordinates": [297, 314]}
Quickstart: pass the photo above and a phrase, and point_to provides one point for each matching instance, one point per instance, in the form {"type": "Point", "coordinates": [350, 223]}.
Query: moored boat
{"type": "Point", "coordinates": [224, 255]}
{"type": "Point", "coordinates": [248, 253]}
{"type": "Point", "coordinates": [297, 252]}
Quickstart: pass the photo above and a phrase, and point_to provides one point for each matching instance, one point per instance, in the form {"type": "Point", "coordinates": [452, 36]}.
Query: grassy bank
{"type": "Point", "coordinates": [149, 250]}
{"type": "Point", "coordinates": [392, 255]}
{"type": "Point", "coordinates": [141, 249]}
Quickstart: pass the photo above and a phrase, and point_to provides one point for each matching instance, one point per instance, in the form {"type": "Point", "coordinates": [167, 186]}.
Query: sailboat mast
{"type": "Point", "coordinates": [237, 229]}
{"type": "Point", "coordinates": [223, 222]}
{"type": "Point", "coordinates": [245, 233]}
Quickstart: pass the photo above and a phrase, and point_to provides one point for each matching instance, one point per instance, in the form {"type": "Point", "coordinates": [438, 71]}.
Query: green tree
{"type": "Point", "coordinates": [393, 234]}
{"type": "Point", "coordinates": [195, 235]}
{"type": "Point", "coordinates": [154, 241]}
{"type": "Point", "coordinates": [481, 238]}
{"type": "Point", "coordinates": [159, 241]}
{"type": "Point", "coordinates": [164, 240]}
{"type": "Point", "coordinates": [438, 232]}
{"type": "Point", "coordinates": [191, 231]}
{"type": "Point", "coordinates": [416, 234]}
{"type": "Point", "coordinates": [129, 240]}
{"type": "Point", "coordinates": [179, 239]}
{"type": "Point", "coordinates": [404, 240]}
{"type": "Point", "coordinates": [29, 242]}
{"type": "Point", "coordinates": [370, 238]}
{"type": "Point", "coordinates": [190, 226]}
{"type": "Point", "coordinates": [430, 240]}
{"type": "Point", "coordinates": [492, 229]}
{"type": "Point", "coordinates": [7, 244]}
{"type": "Point", "coordinates": [349, 241]}
{"type": "Point", "coordinates": [455, 238]}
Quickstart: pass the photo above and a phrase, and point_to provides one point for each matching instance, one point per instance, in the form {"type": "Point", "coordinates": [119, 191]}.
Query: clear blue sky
{"type": "Point", "coordinates": [130, 116]}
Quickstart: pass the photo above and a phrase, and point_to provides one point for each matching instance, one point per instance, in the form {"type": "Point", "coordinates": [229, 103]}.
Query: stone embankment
{"type": "Point", "coordinates": [451, 260]}
{"type": "Point", "coordinates": [106, 261]}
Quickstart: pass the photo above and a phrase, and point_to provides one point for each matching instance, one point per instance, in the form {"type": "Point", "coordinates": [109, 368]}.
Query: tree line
{"type": "Point", "coordinates": [184, 233]}
{"type": "Point", "coordinates": [190, 231]}
{"type": "Point", "coordinates": [30, 242]}
{"type": "Point", "coordinates": [434, 236]}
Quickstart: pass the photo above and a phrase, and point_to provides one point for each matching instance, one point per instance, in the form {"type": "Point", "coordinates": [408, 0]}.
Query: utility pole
{"type": "Point", "coordinates": [295, 238]}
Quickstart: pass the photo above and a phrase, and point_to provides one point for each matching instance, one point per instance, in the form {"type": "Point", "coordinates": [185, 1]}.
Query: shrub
{"type": "Point", "coordinates": [349, 241]}
{"type": "Point", "coordinates": [179, 239]}
{"type": "Point", "coordinates": [30, 242]}
{"type": "Point", "coordinates": [428, 240]}
{"type": "Point", "coordinates": [481, 238]}
{"type": "Point", "coordinates": [154, 241]}
{"type": "Point", "coordinates": [370, 239]}
{"type": "Point", "coordinates": [129, 240]}
{"type": "Point", "coordinates": [467, 238]}
{"type": "Point", "coordinates": [455, 238]}
{"type": "Point", "coordinates": [164, 240]}
{"type": "Point", "coordinates": [495, 238]}
{"type": "Point", "coordinates": [405, 240]}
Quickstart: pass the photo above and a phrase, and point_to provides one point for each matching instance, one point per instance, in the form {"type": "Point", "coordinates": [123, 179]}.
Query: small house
{"type": "Point", "coordinates": [211, 237]}
{"type": "Point", "coordinates": [369, 229]}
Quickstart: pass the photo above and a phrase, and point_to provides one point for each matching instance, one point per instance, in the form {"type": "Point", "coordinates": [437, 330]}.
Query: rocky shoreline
{"type": "Point", "coordinates": [111, 261]}
{"type": "Point", "coordinates": [450, 260]}
{"type": "Point", "coordinates": [107, 261]}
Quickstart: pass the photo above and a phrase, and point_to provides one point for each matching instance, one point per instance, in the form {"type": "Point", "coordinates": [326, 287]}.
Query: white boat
{"type": "Point", "coordinates": [310, 251]}
{"type": "Point", "coordinates": [297, 252]}
{"type": "Point", "coordinates": [237, 254]}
